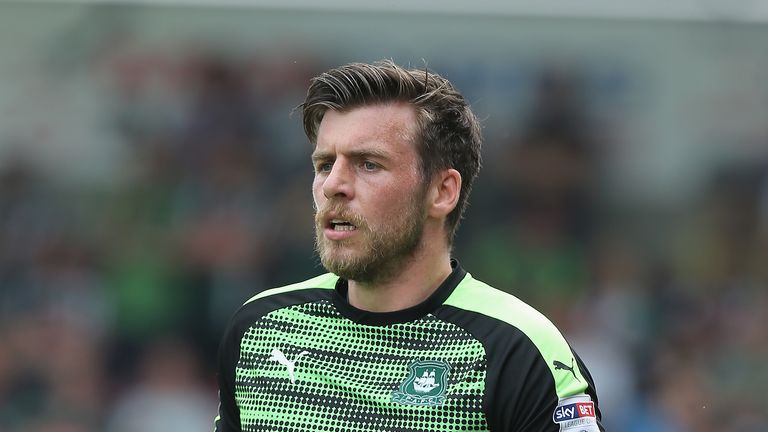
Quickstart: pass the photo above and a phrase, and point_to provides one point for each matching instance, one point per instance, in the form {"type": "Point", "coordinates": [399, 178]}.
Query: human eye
{"type": "Point", "coordinates": [323, 167]}
{"type": "Point", "coordinates": [370, 166]}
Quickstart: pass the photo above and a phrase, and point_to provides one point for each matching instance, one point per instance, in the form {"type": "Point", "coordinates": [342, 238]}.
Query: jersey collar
{"type": "Point", "coordinates": [412, 313]}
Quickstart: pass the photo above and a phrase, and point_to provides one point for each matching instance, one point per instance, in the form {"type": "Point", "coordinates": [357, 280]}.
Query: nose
{"type": "Point", "coordinates": [338, 182]}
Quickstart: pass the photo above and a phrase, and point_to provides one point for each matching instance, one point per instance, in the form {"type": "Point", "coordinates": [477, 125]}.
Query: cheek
{"type": "Point", "coordinates": [317, 191]}
{"type": "Point", "coordinates": [389, 204]}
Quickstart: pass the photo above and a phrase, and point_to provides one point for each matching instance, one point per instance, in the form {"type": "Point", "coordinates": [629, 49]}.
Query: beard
{"type": "Point", "coordinates": [377, 253]}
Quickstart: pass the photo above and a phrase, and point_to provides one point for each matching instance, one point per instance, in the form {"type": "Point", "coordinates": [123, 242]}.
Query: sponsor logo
{"type": "Point", "coordinates": [279, 357]}
{"type": "Point", "coordinates": [562, 366]}
{"type": "Point", "coordinates": [576, 414]}
{"type": "Point", "coordinates": [425, 385]}
{"type": "Point", "coordinates": [573, 411]}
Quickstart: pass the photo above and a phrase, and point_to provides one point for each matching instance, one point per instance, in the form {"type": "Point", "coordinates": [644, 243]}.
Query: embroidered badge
{"type": "Point", "coordinates": [425, 386]}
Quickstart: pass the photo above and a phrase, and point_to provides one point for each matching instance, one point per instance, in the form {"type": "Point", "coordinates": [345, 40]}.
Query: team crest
{"type": "Point", "coordinates": [425, 385]}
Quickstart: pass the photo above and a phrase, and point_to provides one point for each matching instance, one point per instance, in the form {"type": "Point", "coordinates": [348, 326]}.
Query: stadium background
{"type": "Point", "coordinates": [152, 178]}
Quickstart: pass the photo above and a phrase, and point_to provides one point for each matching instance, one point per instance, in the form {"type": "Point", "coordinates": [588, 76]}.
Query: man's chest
{"type": "Point", "coordinates": [308, 368]}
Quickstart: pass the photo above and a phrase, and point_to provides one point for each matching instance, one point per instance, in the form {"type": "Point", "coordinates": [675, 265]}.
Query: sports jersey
{"type": "Point", "coordinates": [469, 358]}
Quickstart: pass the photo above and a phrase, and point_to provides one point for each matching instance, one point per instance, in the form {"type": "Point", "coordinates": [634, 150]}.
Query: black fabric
{"type": "Point", "coordinates": [384, 318]}
{"type": "Point", "coordinates": [229, 351]}
{"type": "Point", "coordinates": [520, 390]}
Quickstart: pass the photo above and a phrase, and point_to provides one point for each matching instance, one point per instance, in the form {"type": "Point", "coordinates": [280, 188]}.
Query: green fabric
{"type": "Point", "coordinates": [326, 281]}
{"type": "Point", "coordinates": [354, 377]}
{"type": "Point", "coordinates": [476, 296]}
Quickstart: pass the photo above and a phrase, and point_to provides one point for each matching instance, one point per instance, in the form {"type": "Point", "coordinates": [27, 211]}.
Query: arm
{"type": "Point", "coordinates": [525, 398]}
{"type": "Point", "coordinates": [228, 418]}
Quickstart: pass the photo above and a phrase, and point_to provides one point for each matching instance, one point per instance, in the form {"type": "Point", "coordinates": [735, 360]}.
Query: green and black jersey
{"type": "Point", "coordinates": [469, 358]}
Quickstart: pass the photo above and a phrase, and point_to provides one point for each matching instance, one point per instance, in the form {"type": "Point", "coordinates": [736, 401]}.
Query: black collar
{"type": "Point", "coordinates": [405, 315]}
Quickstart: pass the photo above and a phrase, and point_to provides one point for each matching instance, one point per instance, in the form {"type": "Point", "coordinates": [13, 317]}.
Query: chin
{"type": "Point", "coordinates": [346, 265]}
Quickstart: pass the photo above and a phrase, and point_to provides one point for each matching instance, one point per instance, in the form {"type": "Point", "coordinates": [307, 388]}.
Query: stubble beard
{"type": "Point", "coordinates": [381, 250]}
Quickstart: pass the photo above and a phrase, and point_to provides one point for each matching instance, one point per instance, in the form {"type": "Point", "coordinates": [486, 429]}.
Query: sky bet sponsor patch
{"type": "Point", "coordinates": [577, 414]}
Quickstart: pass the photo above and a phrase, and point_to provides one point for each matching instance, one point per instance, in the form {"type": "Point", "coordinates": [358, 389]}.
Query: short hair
{"type": "Point", "coordinates": [448, 133]}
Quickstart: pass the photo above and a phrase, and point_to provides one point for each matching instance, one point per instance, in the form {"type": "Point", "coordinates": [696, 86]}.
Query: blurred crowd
{"type": "Point", "coordinates": [113, 297]}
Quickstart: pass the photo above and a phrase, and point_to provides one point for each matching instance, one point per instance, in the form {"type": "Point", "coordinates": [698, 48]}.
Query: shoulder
{"type": "Point", "coordinates": [311, 290]}
{"type": "Point", "coordinates": [501, 313]}
{"type": "Point", "coordinates": [325, 281]}
{"type": "Point", "coordinates": [316, 289]}
{"type": "Point", "coordinates": [475, 296]}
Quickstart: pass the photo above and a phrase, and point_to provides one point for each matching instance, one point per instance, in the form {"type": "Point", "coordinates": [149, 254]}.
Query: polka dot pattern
{"type": "Point", "coordinates": [346, 376]}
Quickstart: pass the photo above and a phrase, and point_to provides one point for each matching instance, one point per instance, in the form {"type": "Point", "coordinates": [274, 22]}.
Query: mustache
{"type": "Point", "coordinates": [339, 212]}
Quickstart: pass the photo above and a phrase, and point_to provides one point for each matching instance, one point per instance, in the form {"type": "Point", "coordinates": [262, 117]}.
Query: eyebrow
{"type": "Point", "coordinates": [354, 154]}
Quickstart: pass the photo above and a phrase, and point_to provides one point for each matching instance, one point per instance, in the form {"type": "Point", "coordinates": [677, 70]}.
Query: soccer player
{"type": "Point", "coordinates": [397, 336]}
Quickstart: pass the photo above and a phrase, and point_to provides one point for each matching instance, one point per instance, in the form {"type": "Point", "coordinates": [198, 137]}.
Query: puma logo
{"type": "Point", "coordinates": [562, 366]}
{"type": "Point", "coordinates": [279, 357]}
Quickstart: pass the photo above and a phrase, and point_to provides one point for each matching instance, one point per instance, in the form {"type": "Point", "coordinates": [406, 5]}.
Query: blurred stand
{"type": "Point", "coordinates": [169, 392]}
{"type": "Point", "coordinates": [113, 295]}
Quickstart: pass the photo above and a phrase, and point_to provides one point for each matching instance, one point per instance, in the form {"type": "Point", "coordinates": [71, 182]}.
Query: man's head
{"type": "Point", "coordinates": [448, 133]}
{"type": "Point", "coordinates": [373, 210]}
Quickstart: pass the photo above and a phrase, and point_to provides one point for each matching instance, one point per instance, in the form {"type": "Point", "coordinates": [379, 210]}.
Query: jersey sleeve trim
{"type": "Point", "coordinates": [324, 281]}
{"type": "Point", "coordinates": [476, 296]}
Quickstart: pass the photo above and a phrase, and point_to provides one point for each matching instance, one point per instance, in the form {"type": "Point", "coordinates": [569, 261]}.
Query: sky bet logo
{"type": "Point", "coordinates": [574, 411]}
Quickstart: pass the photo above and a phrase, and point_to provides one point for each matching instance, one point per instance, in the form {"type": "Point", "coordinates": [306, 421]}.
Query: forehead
{"type": "Point", "coordinates": [388, 123]}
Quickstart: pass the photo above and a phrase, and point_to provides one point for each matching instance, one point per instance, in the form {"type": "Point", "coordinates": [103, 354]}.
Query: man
{"type": "Point", "coordinates": [398, 337]}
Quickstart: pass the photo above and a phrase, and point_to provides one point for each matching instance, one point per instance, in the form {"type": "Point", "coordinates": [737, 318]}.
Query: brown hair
{"type": "Point", "coordinates": [448, 132]}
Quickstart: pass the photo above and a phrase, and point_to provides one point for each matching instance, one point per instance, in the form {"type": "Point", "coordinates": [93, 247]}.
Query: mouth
{"type": "Point", "coordinates": [341, 225]}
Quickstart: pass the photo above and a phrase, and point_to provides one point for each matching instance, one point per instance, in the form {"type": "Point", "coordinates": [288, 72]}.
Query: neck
{"type": "Point", "coordinates": [421, 275]}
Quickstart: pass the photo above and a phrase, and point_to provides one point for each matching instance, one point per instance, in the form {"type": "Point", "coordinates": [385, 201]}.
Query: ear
{"type": "Point", "coordinates": [444, 193]}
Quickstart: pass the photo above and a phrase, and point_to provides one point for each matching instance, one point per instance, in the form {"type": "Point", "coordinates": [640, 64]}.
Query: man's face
{"type": "Point", "coordinates": [368, 190]}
